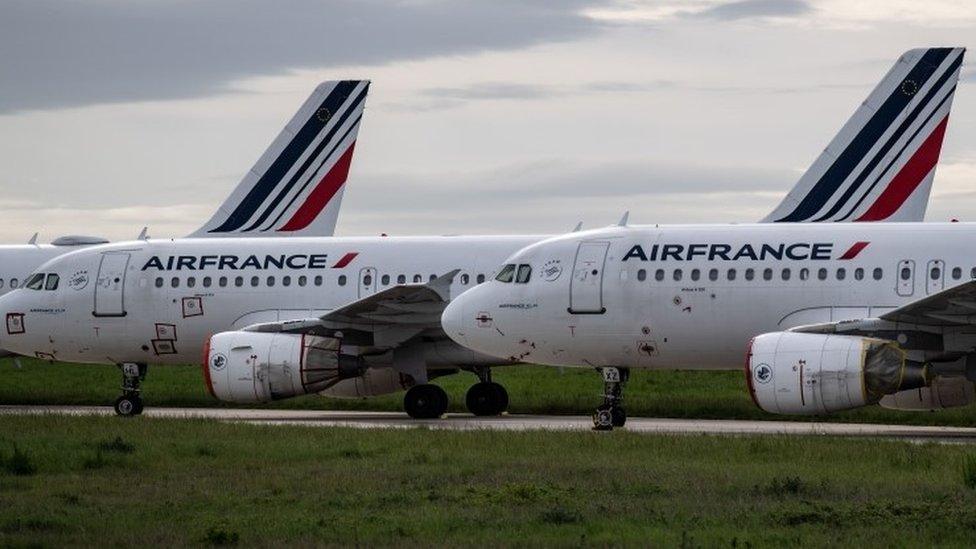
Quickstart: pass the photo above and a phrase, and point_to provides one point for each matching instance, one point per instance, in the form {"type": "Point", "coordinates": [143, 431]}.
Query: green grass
{"type": "Point", "coordinates": [533, 389]}
{"type": "Point", "coordinates": [104, 481]}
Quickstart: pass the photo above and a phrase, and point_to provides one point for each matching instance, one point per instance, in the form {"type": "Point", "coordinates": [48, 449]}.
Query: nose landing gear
{"type": "Point", "coordinates": [611, 413]}
{"type": "Point", "coordinates": [130, 403]}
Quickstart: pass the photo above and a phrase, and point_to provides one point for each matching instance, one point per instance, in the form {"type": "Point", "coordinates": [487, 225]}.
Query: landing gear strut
{"type": "Point", "coordinates": [486, 398]}
{"type": "Point", "coordinates": [130, 403]}
{"type": "Point", "coordinates": [611, 413]}
{"type": "Point", "coordinates": [425, 401]}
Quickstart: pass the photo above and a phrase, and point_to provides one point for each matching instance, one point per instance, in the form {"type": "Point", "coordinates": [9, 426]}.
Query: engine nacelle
{"type": "Point", "coordinates": [249, 367]}
{"type": "Point", "coordinates": [796, 373]}
{"type": "Point", "coordinates": [373, 382]}
{"type": "Point", "coordinates": [944, 392]}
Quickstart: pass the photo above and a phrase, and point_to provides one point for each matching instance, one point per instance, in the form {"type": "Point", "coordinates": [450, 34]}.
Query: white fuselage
{"type": "Point", "coordinates": [158, 301]}
{"type": "Point", "coordinates": [693, 296]}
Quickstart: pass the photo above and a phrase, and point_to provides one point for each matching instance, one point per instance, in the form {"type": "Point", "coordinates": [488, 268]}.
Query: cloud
{"type": "Point", "coordinates": [749, 9]}
{"type": "Point", "coordinates": [59, 54]}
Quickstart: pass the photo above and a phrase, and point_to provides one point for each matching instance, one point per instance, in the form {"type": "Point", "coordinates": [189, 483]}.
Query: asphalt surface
{"type": "Point", "coordinates": [466, 422]}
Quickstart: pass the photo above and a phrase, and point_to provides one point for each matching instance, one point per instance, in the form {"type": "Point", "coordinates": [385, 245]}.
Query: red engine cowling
{"type": "Point", "coordinates": [796, 373]}
{"type": "Point", "coordinates": [249, 367]}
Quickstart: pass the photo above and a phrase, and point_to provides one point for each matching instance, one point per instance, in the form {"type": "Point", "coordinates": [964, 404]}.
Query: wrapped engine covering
{"type": "Point", "coordinates": [251, 367]}
{"type": "Point", "coordinates": [944, 392]}
{"type": "Point", "coordinates": [796, 373]}
{"type": "Point", "coordinates": [373, 382]}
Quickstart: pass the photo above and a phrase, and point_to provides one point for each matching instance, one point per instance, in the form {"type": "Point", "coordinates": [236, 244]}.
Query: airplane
{"type": "Point", "coordinates": [344, 316]}
{"type": "Point", "coordinates": [829, 317]}
{"type": "Point", "coordinates": [294, 189]}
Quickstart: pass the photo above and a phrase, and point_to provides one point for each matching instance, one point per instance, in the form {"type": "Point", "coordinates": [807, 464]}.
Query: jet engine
{"type": "Point", "coordinates": [796, 373]}
{"type": "Point", "coordinates": [249, 367]}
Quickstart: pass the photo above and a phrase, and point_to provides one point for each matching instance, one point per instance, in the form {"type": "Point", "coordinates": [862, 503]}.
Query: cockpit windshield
{"type": "Point", "coordinates": [506, 274]}
{"type": "Point", "coordinates": [35, 282]}
{"type": "Point", "coordinates": [524, 274]}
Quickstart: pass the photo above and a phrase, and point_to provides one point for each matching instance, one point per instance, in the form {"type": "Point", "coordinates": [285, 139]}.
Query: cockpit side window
{"type": "Point", "coordinates": [52, 282]}
{"type": "Point", "coordinates": [524, 274]}
{"type": "Point", "coordinates": [34, 282]}
{"type": "Point", "coordinates": [506, 274]}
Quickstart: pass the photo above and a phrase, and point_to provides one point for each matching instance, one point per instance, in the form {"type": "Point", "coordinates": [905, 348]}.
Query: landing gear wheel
{"type": "Point", "coordinates": [128, 405]}
{"type": "Point", "coordinates": [602, 419]}
{"type": "Point", "coordinates": [486, 399]}
{"type": "Point", "coordinates": [619, 416]}
{"type": "Point", "coordinates": [425, 401]}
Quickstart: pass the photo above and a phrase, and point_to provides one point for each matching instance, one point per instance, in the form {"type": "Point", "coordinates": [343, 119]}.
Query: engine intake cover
{"type": "Point", "coordinates": [248, 367]}
{"type": "Point", "coordinates": [797, 373]}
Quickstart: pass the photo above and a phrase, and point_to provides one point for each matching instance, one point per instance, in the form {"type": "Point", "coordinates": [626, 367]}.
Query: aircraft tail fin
{"type": "Point", "coordinates": [881, 164]}
{"type": "Point", "coordinates": [296, 187]}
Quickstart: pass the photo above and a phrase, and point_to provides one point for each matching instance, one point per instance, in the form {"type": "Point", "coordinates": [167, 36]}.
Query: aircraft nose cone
{"type": "Point", "coordinates": [452, 320]}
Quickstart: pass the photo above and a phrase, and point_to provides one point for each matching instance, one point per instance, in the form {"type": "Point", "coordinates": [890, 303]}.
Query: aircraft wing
{"type": "Point", "coordinates": [383, 319]}
{"type": "Point", "coordinates": [923, 322]}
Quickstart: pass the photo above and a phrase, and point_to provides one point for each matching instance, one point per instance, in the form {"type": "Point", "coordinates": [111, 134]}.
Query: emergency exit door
{"type": "Point", "coordinates": [906, 277]}
{"type": "Point", "coordinates": [110, 285]}
{"type": "Point", "coordinates": [586, 286]}
{"type": "Point", "coordinates": [935, 277]}
{"type": "Point", "coordinates": [367, 281]}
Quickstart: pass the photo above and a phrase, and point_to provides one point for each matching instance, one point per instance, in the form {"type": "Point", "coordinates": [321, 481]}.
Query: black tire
{"type": "Point", "coordinates": [425, 401]}
{"type": "Point", "coordinates": [502, 399]}
{"type": "Point", "coordinates": [128, 406]}
{"type": "Point", "coordinates": [486, 399]}
{"type": "Point", "coordinates": [619, 416]}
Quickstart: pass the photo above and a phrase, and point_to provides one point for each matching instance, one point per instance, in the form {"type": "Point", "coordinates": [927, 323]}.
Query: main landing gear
{"type": "Point", "coordinates": [486, 398]}
{"type": "Point", "coordinates": [611, 413]}
{"type": "Point", "coordinates": [429, 401]}
{"type": "Point", "coordinates": [130, 403]}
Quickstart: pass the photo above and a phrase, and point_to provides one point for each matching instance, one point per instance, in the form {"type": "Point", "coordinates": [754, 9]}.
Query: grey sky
{"type": "Point", "coordinates": [498, 117]}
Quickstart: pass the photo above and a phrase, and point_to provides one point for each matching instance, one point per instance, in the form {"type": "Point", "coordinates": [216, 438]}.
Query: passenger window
{"type": "Point", "coordinates": [730, 274]}
{"type": "Point", "coordinates": [641, 275]}
{"type": "Point", "coordinates": [858, 274]}
{"type": "Point", "coordinates": [677, 275]}
{"type": "Point", "coordinates": [302, 280]}
{"type": "Point", "coordinates": [972, 273]}
{"type": "Point", "coordinates": [713, 274]}
{"type": "Point", "coordinates": [433, 277]}
{"type": "Point", "coordinates": [804, 273]}
{"type": "Point", "coordinates": [286, 280]}
{"type": "Point", "coordinates": [207, 281]}
{"type": "Point", "coordinates": [767, 274]}
{"type": "Point", "coordinates": [401, 279]}
{"type": "Point", "coordinates": [906, 273]}
{"type": "Point", "coordinates": [271, 281]}
{"type": "Point", "coordinates": [465, 279]}
{"type": "Point", "coordinates": [878, 273]}
{"type": "Point", "coordinates": [417, 279]}
{"type": "Point", "coordinates": [1, 282]}
{"type": "Point", "coordinates": [481, 278]}
{"type": "Point", "coordinates": [822, 274]}
{"type": "Point", "coordinates": [255, 281]}
{"type": "Point", "coordinates": [956, 273]}
{"type": "Point", "coordinates": [385, 280]}
{"type": "Point", "coordinates": [13, 282]}
{"type": "Point", "coordinates": [342, 280]}
{"type": "Point", "coordinates": [368, 280]}
{"type": "Point", "coordinates": [222, 282]}
{"type": "Point", "coordinates": [159, 282]}
{"type": "Point", "coordinates": [750, 274]}
{"type": "Point", "coordinates": [695, 274]}
{"type": "Point", "coordinates": [505, 275]}
{"type": "Point", "coordinates": [239, 281]}
{"type": "Point", "coordinates": [191, 282]}
{"type": "Point", "coordinates": [524, 274]}
{"type": "Point", "coordinates": [52, 282]}
{"type": "Point", "coordinates": [841, 273]}
{"type": "Point", "coordinates": [786, 274]}
{"type": "Point", "coordinates": [659, 275]}
{"type": "Point", "coordinates": [935, 273]}
{"type": "Point", "coordinates": [174, 282]}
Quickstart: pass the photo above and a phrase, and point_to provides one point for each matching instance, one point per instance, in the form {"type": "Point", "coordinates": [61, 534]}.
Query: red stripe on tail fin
{"type": "Point", "coordinates": [909, 177]}
{"type": "Point", "coordinates": [322, 193]}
